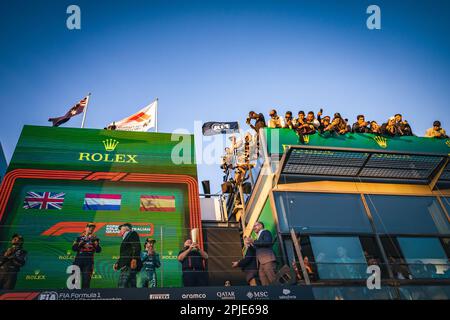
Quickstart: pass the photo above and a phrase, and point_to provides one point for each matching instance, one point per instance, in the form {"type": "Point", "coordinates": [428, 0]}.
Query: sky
{"type": "Point", "coordinates": [217, 60]}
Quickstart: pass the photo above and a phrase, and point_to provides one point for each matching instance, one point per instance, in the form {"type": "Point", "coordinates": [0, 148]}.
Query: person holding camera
{"type": "Point", "coordinates": [150, 262]}
{"type": "Point", "coordinates": [11, 260]}
{"type": "Point", "coordinates": [361, 125]}
{"type": "Point", "coordinates": [260, 121]}
{"type": "Point", "coordinates": [275, 120]}
{"type": "Point", "coordinates": [193, 261]}
{"type": "Point", "coordinates": [86, 245]}
{"type": "Point", "coordinates": [436, 131]}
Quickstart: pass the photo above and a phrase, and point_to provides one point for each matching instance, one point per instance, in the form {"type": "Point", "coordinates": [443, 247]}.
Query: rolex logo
{"type": "Point", "coordinates": [447, 143]}
{"type": "Point", "coordinates": [381, 141]}
{"type": "Point", "coordinates": [110, 144]}
{"type": "Point", "coordinates": [306, 138]}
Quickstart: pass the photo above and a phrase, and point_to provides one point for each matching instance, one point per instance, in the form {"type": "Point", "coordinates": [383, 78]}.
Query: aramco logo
{"type": "Point", "coordinates": [381, 141]}
{"type": "Point", "coordinates": [110, 146]}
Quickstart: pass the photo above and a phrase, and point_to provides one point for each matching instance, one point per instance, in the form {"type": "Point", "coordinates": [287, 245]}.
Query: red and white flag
{"type": "Point", "coordinates": [142, 120]}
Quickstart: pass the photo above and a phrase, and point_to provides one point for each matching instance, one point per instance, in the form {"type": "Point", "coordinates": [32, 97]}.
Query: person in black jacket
{"type": "Point", "coordinates": [129, 262]}
{"type": "Point", "coordinates": [86, 245]}
{"type": "Point", "coordinates": [403, 126]}
{"type": "Point", "coordinates": [265, 257]}
{"type": "Point", "coordinates": [361, 125]}
{"type": "Point", "coordinates": [248, 263]}
{"type": "Point", "coordinates": [11, 260]}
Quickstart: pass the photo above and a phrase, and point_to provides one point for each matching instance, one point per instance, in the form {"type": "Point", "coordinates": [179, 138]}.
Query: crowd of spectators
{"type": "Point", "coordinates": [310, 123]}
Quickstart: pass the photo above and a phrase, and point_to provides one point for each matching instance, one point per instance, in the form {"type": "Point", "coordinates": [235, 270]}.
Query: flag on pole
{"type": "Point", "coordinates": [142, 120]}
{"type": "Point", "coordinates": [212, 128]}
{"type": "Point", "coordinates": [75, 110]}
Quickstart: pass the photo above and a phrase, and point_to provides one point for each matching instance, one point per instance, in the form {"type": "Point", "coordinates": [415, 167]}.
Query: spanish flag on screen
{"type": "Point", "coordinates": [157, 203]}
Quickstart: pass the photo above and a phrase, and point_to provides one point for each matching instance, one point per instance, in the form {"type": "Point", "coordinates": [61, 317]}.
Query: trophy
{"type": "Point", "coordinates": [194, 235]}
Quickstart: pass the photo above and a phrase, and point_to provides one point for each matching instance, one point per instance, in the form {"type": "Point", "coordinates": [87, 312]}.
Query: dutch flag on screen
{"type": "Point", "coordinates": [94, 201]}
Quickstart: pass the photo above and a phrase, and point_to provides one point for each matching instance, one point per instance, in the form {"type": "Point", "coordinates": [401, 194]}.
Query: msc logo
{"type": "Point", "coordinates": [381, 141]}
{"type": "Point", "coordinates": [110, 144]}
{"type": "Point", "coordinates": [258, 295]}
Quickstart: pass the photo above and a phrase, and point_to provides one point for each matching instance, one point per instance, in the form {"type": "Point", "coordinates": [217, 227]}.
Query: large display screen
{"type": "Point", "coordinates": [50, 201]}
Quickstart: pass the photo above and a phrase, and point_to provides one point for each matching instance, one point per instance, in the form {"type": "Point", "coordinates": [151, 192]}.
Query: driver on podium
{"type": "Point", "coordinates": [86, 245]}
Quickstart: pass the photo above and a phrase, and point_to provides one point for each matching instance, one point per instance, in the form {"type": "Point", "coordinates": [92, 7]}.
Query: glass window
{"type": "Point", "coordinates": [321, 212]}
{"type": "Point", "coordinates": [446, 202]}
{"type": "Point", "coordinates": [339, 257]}
{"type": "Point", "coordinates": [425, 257]}
{"type": "Point", "coordinates": [407, 215]}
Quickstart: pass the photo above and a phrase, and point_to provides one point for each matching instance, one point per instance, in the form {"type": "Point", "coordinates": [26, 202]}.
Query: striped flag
{"type": "Point", "coordinates": [44, 200]}
{"type": "Point", "coordinates": [157, 203]}
{"type": "Point", "coordinates": [93, 201]}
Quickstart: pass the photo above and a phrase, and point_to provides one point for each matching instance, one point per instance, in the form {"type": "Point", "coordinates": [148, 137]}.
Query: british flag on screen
{"type": "Point", "coordinates": [44, 200]}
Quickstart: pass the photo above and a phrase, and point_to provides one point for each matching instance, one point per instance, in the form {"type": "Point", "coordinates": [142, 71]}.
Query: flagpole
{"type": "Point", "coordinates": [156, 116]}
{"type": "Point", "coordinates": [85, 110]}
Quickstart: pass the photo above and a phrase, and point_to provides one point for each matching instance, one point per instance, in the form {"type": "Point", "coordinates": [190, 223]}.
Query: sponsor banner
{"type": "Point", "coordinates": [159, 294]}
{"type": "Point", "coordinates": [111, 229]}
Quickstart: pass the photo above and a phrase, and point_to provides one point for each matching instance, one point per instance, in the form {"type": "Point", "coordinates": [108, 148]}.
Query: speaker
{"type": "Point", "coordinates": [206, 188]}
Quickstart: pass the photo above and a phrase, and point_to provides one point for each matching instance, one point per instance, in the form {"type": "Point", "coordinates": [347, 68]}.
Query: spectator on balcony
{"type": "Point", "coordinates": [374, 128]}
{"type": "Point", "coordinates": [275, 120]}
{"type": "Point", "coordinates": [300, 119]}
{"type": "Point", "coordinates": [248, 263]}
{"type": "Point", "coordinates": [436, 131]}
{"type": "Point", "coordinates": [338, 125]}
{"type": "Point", "coordinates": [289, 122]}
{"type": "Point", "coordinates": [260, 121]}
{"type": "Point", "coordinates": [311, 119]}
{"type": "Point", "coordinates": [324, 123]}
{"type": "Point", "coordinates": [361, 125]}
{"type": "Point", "coordinates": [403, 126]}
{"type": "Point", "coordinates": [390, 128]}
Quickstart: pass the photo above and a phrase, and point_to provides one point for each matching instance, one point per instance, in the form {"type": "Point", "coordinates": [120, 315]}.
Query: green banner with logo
{"type": "Point", "coordinates": [279, 139]}
{"type": "Point", "coordinates": [61, 175]}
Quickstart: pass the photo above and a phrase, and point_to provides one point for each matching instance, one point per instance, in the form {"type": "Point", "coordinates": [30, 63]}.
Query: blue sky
{"type": "Point", "coordinates": [216, 60]}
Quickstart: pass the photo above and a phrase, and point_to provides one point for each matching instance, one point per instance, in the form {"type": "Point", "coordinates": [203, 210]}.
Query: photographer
{"type": "Point", "coordinates": [338, 125]}
{"type": "Point", "coordinates": [404, 129]}
{"type": "Point", "coordinates": [436, 131]}
{"type": "Point", "coordinates": [390, 128]}
{"type": "Point", "coordinates": [288, 120]}
{"type": "Point", "coordinates": [361, 125]}
{"type": "Point", "coordinates": [86, 245]}
{"type": "Point", "coordinates": [260, 122]}
{"type": "Point", "coordinates": [374, 128]}
{"type": "Point", "coordinates": [275, 121]}
{"type": "Point", "coordinates": [11, 260]}
{"type": "Point", "coordinates": [193, 261]}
